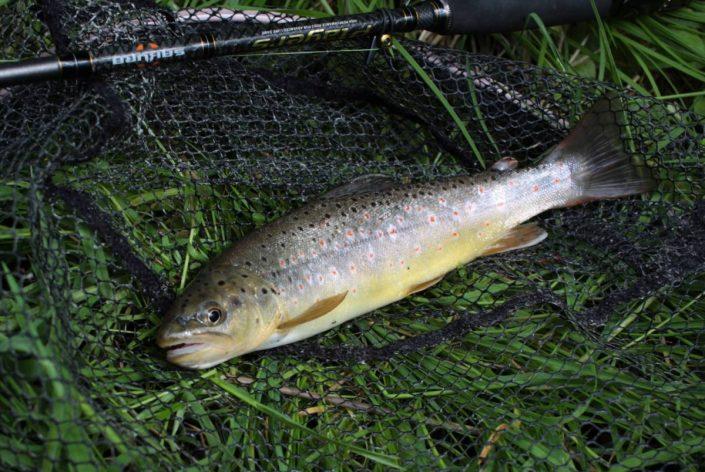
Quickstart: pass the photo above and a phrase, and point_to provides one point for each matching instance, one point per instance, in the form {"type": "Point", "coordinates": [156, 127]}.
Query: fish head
{"type": "Point", "coordinates": [226, 311]}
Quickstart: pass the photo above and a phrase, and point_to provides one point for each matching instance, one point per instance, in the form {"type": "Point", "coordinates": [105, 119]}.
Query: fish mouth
{"type": "Point", "coordinates": [197, 353]}
{"type": "Point", "coordinates": [181, 349]}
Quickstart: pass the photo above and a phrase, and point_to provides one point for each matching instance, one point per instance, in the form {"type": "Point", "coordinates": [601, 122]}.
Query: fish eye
{"type": "Point", "coordinates": [214, 315]}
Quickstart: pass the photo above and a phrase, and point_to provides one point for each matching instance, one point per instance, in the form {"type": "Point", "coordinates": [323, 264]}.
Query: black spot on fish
{"type": "Point", "coordinates": [301, 228]}
{"type": "Point", "coordinates": [353, 209]}
{"type": "Point", "coordinates": [264, 291]}
{"type": "Point", "coordinates": [310, 225]}
{"type": "Point", "coordinates": [344, 214]}
{"type": "Point", "coordinates": [296, 218]}
{"type": "Point", "coordinates": [221, 282]}
{"type": "Point", "coordinates": [235, 301]}
{"type": "Point", "coordinates": [242, 290]}
{"type": "Point", "coordinates": [183, 306]}
{"type": "Point", "coordinates": [283, 245]}
{"type": "Point", "coordinates": [327, 215]}
{"type": "Point", "coordinates": [374, 204]}
{"type": "Point", "coordinates": [244, 276]}
{"type": "Point", "coordinates": [338, 206]}
{"type": "Point", "coordinates": [455, 186]}
{"type": "Point", "coordinates": [263, 246]}
{"type": "Point", "coordinates": [248, 263]}
{"type": "Point", "coordinates": [264, 259]}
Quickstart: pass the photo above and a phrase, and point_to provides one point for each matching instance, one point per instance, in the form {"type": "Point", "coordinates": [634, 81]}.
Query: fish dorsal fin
{"type": "Point", "coordinates": [316, 310]}
{"type": "Point", "coordinates": [520, 237]}
{"type": "Point", "coordinates": [362, 184]}
{"type": "Point", "coordinates": [505, 164]}
{"type": "Point", "coordinates": [424, 285]}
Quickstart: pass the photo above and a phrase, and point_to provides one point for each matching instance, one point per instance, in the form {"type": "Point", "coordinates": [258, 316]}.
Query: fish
{"type": "Point", "coordinates": [372, 242]}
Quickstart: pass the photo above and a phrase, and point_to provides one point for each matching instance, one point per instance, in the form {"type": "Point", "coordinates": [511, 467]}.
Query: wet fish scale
{"type": "Point", "coordinates": [369, 244]}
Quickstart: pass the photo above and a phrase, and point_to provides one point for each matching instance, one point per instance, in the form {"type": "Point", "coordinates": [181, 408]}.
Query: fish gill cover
{"type": "Point", "coordinates": [585, 351]}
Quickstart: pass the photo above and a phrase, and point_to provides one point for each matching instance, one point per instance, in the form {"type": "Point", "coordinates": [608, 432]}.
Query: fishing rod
{"type": "Point", "coordinates": [439, 16]}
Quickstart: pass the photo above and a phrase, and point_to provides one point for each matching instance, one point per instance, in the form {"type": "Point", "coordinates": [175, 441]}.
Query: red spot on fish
{"type": "Point", "coordinates": [535, 188]}
{"type": "Point", "coordinates": [455, 234]}
{"type": "Point", "coordinates": [556, 180]}
{"type": "Point", "coordinates": [350, 233]}
{"type": "Point", "coordinates": [354, 290]}
{"type": "Point", "coordinates": [456, 213]}
{"type": "Point", "coordinates": [400, 219]}
{"type": "Point", "coordinates": [320, 278]}
{"type": "Point", "coordinates": [439, 247]}
{"type": "Point", "coordinates": [321, 243]}
{"type": "Point", "coordinates": [510, 183]}
{"type": "Point", "coordinates": [301, 286]}
{"type": "Point", "coordinates": [442, 201]}
{"type": "Point", "coordinates": [407, 208]}
{"type": "Point", "coordinates": [417, 249]}
{"type": "Point", "coordinates": [370, 255]}
{"type": "Point", "coordinates": [334, 273]}
{"type": "Point", "coordinates": [487, 224]}
{"type": "Point", "coordinates": [481, 189]}
{"type": "Point", "coordinates": [353, 268]}
{"type": "Point", "coordinates": [392, 231]}
{"type": "Point", "coordinates": [282, 263]}
{"type": "Point", "coordinates": [366, 215]}
{"type": "Point", "coordinates": [401, 262]}
{"type": "Point", "coordinates": [380, 233]}
{"type": "Point", "coordinates": [309, 278]}
{"type": "Point", "coordinates": [432, 219]}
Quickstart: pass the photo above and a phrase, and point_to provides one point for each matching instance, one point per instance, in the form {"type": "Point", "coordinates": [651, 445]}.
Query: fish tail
{"type": "Point", "coordinates": [599, 165]}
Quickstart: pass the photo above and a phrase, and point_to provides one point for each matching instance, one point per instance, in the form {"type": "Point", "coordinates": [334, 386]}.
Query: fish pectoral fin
{"type": "Point", "coordinates": [520, 237]}
{"type": "Point", "coordinates": [424, 285]}
{"type": "Point", "coordinates": [318, 309]}
{"type": "Point", "coordinates": [363, 184]}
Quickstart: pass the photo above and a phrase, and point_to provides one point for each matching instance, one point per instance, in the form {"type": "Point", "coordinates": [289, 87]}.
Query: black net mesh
{"type": "Point", "coordinates": [583, 352]}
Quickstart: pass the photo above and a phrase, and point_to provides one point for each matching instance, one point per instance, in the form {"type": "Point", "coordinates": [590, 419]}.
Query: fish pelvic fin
{"type": "Point", "coordinates": [519, 237]}
{"type": "Point", "coordinates": [599, 164]}
{"type": "Point", "coordinates": [318, 309]}
{"type": "Point", "coordinates": [424, 285]}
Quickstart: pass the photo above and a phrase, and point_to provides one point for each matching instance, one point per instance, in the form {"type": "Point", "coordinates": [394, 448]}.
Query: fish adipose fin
{"type": "Point", "coordinates": [602, 169]}
{"type": "Point", "coordinates": [520, 237]}
{"type": "Point", "coordinates": [318, 309]}
{"type": "Point", "coordinates": [424, 285]}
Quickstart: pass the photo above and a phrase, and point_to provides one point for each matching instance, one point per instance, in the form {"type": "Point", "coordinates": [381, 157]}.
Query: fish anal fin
{"type": "Point", "coordinates": [520, 237]}
{"type": "Point", "coordinates": [424, 285]}
{"type": "Point", "coordinates": [318, 309]}
{"type": "Point", "coordinates": [362, 184]}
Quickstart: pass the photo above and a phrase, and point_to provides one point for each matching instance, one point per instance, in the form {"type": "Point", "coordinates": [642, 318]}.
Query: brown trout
{"type": "Point", "coordinates": [371, 243]}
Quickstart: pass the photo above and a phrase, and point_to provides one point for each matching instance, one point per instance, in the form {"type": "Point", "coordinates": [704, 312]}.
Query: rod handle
{"type": "Point", "coordinates": [494, 16]}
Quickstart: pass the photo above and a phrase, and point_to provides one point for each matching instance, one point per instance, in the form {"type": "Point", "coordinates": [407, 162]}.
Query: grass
{"type": "Point", "coordinates": [90, 390]}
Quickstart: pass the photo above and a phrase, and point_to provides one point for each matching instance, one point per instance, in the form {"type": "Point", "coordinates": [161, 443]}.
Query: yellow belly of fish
{"type": "Point", "coordinates": [388, 285]}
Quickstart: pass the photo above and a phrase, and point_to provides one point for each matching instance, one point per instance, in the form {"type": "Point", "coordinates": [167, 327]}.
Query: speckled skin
{"type": "Point", "coordinates": [376, 246]}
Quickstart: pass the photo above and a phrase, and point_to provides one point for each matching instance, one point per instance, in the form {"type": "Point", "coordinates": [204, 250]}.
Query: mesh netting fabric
{"type": "Point", "coordinates": [579, 352]}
